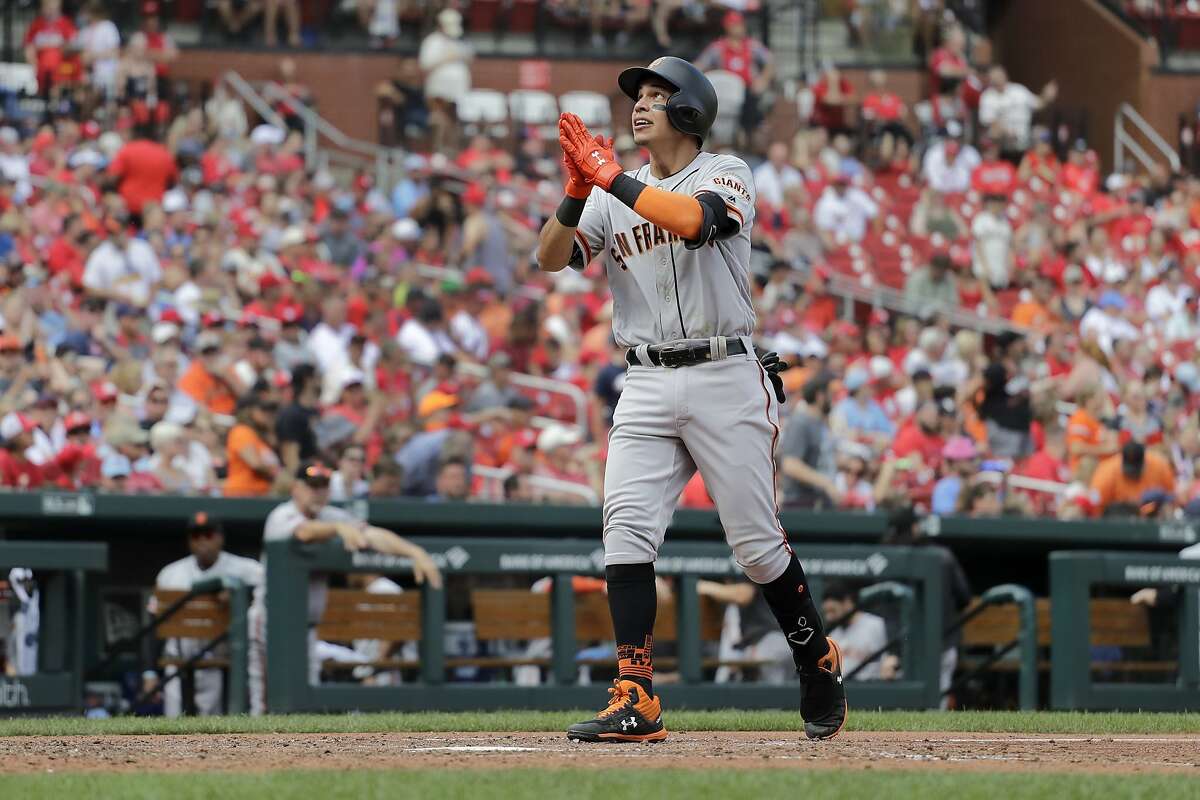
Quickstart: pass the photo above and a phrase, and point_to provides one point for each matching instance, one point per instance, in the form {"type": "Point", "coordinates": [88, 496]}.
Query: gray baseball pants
{"type": "Point", "coordinates": [721, 417]}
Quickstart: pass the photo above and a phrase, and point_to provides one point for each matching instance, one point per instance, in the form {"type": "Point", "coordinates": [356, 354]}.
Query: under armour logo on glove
{"type": "Point", "coordinates": [626, 724]}
{"type": "Point", "coordinates": [599, 161]}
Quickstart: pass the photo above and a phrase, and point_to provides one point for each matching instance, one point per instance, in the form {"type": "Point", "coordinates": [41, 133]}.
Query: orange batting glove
{"type": "Point", "coordinates": [592, 157]}
{"type": "Point", "coordinates": [576, 186]}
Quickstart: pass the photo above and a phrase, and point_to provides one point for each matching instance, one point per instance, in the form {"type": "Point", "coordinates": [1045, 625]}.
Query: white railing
{"type": "Point", "coordinates": [499, 475]}
{"type": "Point", "coordinates": [1023, 482]}
{"type": "Point", "coordinates": [1123, 140]}
{"type": "Point", "coordinates": [893, 300]}
{"type": "Point", "coordinates": [537, 383]}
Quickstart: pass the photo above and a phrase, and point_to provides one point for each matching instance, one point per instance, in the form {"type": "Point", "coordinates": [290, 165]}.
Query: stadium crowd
{"type": "Point", "coordinates": [187, 307]}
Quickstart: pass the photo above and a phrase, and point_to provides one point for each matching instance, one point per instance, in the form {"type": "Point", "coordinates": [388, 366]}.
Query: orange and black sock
{"type": "Point", "coordinates": [633, 602]}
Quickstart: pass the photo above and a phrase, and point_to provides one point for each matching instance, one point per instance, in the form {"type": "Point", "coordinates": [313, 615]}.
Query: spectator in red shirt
{"type": "Point", "coordinates": [994, 175]}
{"type": "Point", "coordinates": [46, 44]}
{"type": "Point", "coordinates": [832, 94]}
{"type": "Point", "coordinates": [1079, 174]}
{"type": "Point", "coordinates": [1040, 162]}
{"type": "Point", "coordinates": [948, 68]}
{"type": "Point", "coordinates": [144, 170]}
{"type": "Point", "coordinates": [921, 436]}
{"type": "Point", "coordinates": [884, 112]}
{"type": "Point", "coordinates": [745, 57]}
{"type": "Point", "coordinates": [17, 471]}
{"type": "Point", "coordinates": [160, 47]}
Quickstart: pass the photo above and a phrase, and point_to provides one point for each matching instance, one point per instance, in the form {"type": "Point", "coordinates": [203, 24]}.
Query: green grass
{"type": "Point", "coordinates": [1065, 722]}
{"type": "Point", "coordinates": [580, 784]}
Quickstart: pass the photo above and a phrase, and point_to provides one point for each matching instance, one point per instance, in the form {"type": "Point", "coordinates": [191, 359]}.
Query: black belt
{"type": "Point", "coordinates": [679, 354]}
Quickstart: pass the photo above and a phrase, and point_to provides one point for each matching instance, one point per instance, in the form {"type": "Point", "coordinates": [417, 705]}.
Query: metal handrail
{"type": "Point", "coordinates": [1023, 482]}
{"type": "Point", "coordinates": [1122, 140]}
{"type": "Point", "coordinates": [553, 484]}
{"type": "Point", "coordinates": [894, 300]}
{"type": "Point", "coordinates": [538, 383]}
{"type": "Point", "coordinates": [242, 88]}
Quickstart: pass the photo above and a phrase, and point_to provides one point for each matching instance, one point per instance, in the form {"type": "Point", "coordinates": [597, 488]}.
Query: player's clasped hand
{"type": "Point", "coordinates": [591, 156]}
{"type": "Point", "coordinates": [773, 364]}
{"type": "Point", "coordinates": [577, 186]}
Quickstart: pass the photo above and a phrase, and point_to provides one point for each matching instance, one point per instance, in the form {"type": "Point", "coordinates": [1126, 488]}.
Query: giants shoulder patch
{"type": "Point", "coordinates": [733, 184]}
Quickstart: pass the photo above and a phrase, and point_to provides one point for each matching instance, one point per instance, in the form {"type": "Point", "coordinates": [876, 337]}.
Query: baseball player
{"type": "Point", "coordinates": [675, 239]}
{"type": "Point", "coordinates": [208, 559]}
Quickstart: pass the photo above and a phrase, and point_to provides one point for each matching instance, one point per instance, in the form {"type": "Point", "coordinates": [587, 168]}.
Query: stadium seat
{"type": "Point", "coordinates": [592, 107]}
{"type": "Point", "coordinates": [531, 107]}
{"type": "Point", "coordinates": [484, 111]}
{"type": "Point", "coordinates": [732, 93]}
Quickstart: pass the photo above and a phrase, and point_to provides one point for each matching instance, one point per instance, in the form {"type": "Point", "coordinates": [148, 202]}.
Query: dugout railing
{"type": "Point", "coordinates": [1073, 576]}
{"type": "Point", "coordinates": [60, 569]}
{"type": "Point", "coordinates": [290, 564]}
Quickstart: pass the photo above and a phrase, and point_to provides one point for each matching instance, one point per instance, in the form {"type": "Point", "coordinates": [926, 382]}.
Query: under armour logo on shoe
{"type": "Point", "coordinates": [599, 160]}
{"type": "Point", "coordinates": [626, 724]}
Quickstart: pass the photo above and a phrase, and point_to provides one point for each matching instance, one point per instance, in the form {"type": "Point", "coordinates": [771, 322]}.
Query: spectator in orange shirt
{"type": "Point", "coordinates": [1123, 479]}
{"type": "Point", "coordinates": [204, 380]}
{"type": "Point", "coordinates": [253, 465]}
{"type": "Point", "coordinates": [1087, 438]}
{"type": "Point", "coordinates": [1036, 312]}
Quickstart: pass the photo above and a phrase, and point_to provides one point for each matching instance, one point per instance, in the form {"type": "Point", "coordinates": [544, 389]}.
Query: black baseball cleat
{"type": "Point", "coordinates": [630, 717]}
{"type": "Point", "coordinates": [823, 696]}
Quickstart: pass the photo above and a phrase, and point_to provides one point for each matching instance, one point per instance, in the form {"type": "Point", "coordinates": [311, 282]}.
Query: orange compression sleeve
{"type": "Point", "coordinates": [677, 213]}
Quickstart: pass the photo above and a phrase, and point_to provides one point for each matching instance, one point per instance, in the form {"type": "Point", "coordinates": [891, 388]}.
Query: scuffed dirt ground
{"type": "Point", "coordinates": [725, 750]}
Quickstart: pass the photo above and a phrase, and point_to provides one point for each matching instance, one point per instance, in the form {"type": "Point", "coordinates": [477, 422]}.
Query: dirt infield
{"type": "Point", "coordinates": [855, 750]}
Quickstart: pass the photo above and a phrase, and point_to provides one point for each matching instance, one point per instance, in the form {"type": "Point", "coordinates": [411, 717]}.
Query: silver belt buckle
{"type": "Point", "coordinates": [674, 354]}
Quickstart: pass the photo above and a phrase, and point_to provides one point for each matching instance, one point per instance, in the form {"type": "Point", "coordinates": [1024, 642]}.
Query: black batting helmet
{"type": "Point", "coordinates": [692, 108]}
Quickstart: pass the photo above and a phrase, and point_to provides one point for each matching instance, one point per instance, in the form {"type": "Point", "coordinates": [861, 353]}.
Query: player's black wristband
{"type": "Point", "coordinates": [627, 189]}
{"type": "Point", "coordinates": [569, 211]}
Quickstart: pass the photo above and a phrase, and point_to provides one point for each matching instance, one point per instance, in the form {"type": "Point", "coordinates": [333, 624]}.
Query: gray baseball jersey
{"type": "Point", "coordinates": [282, 523]}
{"type": "Point", "coordinates": [719, 417]}
{"type": "Point", "coordinates": [662, 290]}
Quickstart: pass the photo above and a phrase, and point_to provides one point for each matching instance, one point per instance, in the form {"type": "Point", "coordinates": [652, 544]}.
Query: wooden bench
{"type": "Point", "coordinates": [521, 615]}
{"type": "Point", "coordinates": [351, 614]}
{"type": "Point", "coordinates": [1115, 622]}
{"type": "Point", "coordinates": [204, 617]}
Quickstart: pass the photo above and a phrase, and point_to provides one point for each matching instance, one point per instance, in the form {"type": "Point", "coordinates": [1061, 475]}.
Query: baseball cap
{"type": "Point", "coordinates": [269, 280]}
{"type": "Point", "coordinates": [76, 420]}
{"type": "Point", "coordinates": [203, 522]}
{"type": "Point", "coordinates": [856, 378]}
{"type": "Point", "coordinates": [959, 448]}
{"type": "Point", "coordinates": [163, 432]}
{"type": "Point", "coordinates": [314, 474]}
{"type": "Point", "coordinates": [556, 436]}
{"type": "Point", "coordinates": [1111, 298]}
{"type": "Point", "coordinates": [115, 465]}
{"type": "Point", "coordinates": [436, 401]}
{"type": "Point", "coordinates": [13, 424]}
{"type": "Point", "coordinates": [406, 229]}
{"type": "Point", "coordinates": [163, 332]}
{"type": "Point", "coordinates": [350, 377]}
{"type": "Point", "coordinates": [208, 341]}
{"type": "Point", "coordinates": [478, 276]}
{"type": "Point", "coordinates": [104, 391]}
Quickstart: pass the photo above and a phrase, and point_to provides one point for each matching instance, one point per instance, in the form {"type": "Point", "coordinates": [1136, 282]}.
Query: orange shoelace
{"type": "Point", "coordinates": [617, 701]}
